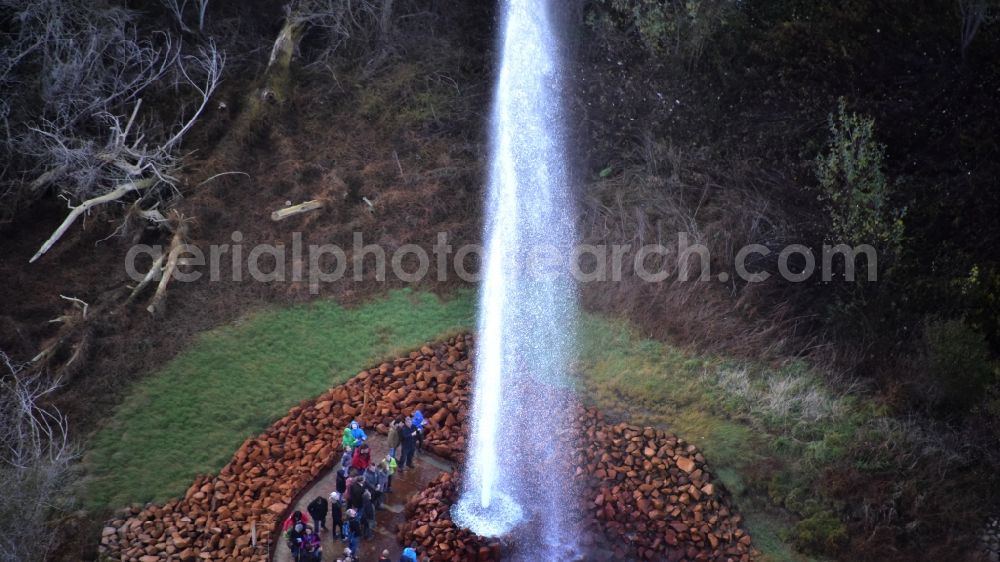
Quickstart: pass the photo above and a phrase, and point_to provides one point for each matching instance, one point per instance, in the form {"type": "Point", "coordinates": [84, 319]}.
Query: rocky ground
{"type": "Point", "coordinates": [643, 490]}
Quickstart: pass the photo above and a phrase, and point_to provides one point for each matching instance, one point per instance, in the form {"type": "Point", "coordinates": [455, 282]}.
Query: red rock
{"type": "Point", "coordinates": [626, 469]}
{"type": "Point", "coordinates": [277, 508]}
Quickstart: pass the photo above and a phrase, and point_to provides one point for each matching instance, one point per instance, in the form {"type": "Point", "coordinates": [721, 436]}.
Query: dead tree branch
{"type": "Point", "coordinates": [972, 15]}
{"type": "Point", "coordinates": [77, 71]}
{"type": "Point", "coordinates": [35, 461]}
{"type": "Point", "coordinates": [157, 305]}
{"type": "Point", "coordinates": [113, 195]}
{"type": "Point", "coordinates": [154, 272]}
{"type": "Point", "coordinates": [177, 9]}
{"type": "Point", "coordinates": [125, 159]}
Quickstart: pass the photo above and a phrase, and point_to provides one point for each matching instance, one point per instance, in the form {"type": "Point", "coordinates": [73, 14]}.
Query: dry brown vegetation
{"type": "Point", "coordinates": [658, 192]}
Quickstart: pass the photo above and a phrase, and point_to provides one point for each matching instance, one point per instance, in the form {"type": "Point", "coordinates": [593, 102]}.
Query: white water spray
{"type": "Point", "coordinates": [518, 470]}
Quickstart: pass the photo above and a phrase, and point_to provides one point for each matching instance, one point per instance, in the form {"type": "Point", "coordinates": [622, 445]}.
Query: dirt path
{"type": "Point", "coordinates": [404, 485]}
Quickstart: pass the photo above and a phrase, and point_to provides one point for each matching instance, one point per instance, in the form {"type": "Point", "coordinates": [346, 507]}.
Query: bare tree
{"type": "Point", "coordinates": [125, 163]}
{"type": "Point", "coordinates": [176, 9]}
{"type": "Point", "coordinates": [72, 79]}
{"type": "Point", "coordinates": [35, 461]}
{"type": "Point", "coordinates": [972, 15]}
{"type": "Point", "coordinates": [363, 23]}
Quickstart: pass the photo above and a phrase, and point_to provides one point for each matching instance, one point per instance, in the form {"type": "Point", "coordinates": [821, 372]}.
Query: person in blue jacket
{"type": "Point", "coordinates": [409, 555]}
{"type": "Point", "coordinates": [418, 424]}
{"type": "Point", "coordinates": [359, 434]}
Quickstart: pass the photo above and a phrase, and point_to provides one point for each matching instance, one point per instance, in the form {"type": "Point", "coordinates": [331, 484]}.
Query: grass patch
{"type": "Point", "coordinates": [236, 380]}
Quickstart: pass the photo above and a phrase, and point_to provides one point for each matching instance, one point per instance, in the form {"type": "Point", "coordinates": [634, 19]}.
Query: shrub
{"type": "Point", "coordinates": [821, 533]}
{"type": "Point", "coordinates": [856, 195]}
{"type": "Point", "coordinates": [74, 76]}
{"type": "Point", "coordinates": [959, 364]}
{"type": "Point", "coordinates": [673, 27]}
{"type": "Point", "coordinates": [854, 187]}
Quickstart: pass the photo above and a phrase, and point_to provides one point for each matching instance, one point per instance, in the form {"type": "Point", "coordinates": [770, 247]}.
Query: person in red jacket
{"type": "Point", "coordinates": [295, 517]}
{"type": "Point", "coordinates": [294, 529]}
{"type": "Point", "coordinates": [362, 458]}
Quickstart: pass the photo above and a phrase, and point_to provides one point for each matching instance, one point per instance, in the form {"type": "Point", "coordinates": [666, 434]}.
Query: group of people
{"type": "Point", "coordinates": [361, 487]}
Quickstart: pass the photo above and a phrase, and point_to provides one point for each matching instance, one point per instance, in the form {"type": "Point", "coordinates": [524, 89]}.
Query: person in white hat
{"type": "Point", "coordinates": [337, 516]}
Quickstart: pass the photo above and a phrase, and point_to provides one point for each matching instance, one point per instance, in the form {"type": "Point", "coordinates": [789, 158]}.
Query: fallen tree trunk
{"type": "Point", "coordinates": [113, 195]}
{"type": "Point", "coordinates": [286, 43]}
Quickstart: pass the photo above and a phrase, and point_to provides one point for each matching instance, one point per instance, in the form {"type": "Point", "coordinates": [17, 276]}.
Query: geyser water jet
{"type": "Point", "coordinates": [518, 468]}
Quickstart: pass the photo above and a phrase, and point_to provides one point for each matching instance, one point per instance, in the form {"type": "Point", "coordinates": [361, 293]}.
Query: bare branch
{"type": "Point", "coordinates": [211, 62]}
{"type": "Point", "coordinates": [81, 68]}
{"type": "Point", "coordinates": [972, 15]}
{"type": "Point", "coordinates": [154, 271]}
{"type": "Point", "coordinates": [202, 8]}
{"type": "Point", "coordinates": [113, 195]}
{"type": "Point", "coordinates": [156, 304]}
{"type": "Point", "coordinates": [83, 306]}
{"type": "Point", "coordinates": [220, 174]}
{"type": "Point", "coordinates": [35, 460]}
{"type": "Point", "coordinates": [177, 10]}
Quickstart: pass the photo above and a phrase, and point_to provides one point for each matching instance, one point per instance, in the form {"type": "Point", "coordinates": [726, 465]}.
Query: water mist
{"type": "Point", "coordinates": [518, 474]}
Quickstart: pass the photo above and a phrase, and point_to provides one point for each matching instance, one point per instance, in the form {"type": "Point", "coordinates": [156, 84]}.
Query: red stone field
{"type": "Point", "coordinates": [643, 493]}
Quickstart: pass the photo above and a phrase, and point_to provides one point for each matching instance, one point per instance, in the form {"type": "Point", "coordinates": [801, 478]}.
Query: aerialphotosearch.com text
{"type": "Point", "coordinates": [318, 264]}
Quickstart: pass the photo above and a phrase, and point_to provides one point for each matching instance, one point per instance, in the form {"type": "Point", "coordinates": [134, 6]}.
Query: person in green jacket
{"type": "Point", "coordinates": [390, 465]}
{"type": "Point", "coordinates": [348, 441]}
{"type": "Point", "coordinates": [392, 439]}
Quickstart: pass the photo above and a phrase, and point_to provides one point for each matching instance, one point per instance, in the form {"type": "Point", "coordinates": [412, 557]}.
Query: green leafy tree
{"type": "Point", "coordinates": [854, 187]}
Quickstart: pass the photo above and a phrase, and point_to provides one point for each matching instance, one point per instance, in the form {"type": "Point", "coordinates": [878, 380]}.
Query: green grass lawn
{"type": "Point", "coordinates": [190, 417]}
{"type": "Point", "coordinates": [234, 381]}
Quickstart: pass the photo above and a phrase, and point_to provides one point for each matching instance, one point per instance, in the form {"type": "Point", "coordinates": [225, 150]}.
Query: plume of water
{"type": "Point", "coordinates": [518, 468]}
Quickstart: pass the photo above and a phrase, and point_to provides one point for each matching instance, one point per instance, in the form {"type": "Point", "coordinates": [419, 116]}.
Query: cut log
{"type": "Point", "coordinates": [282, 214]}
